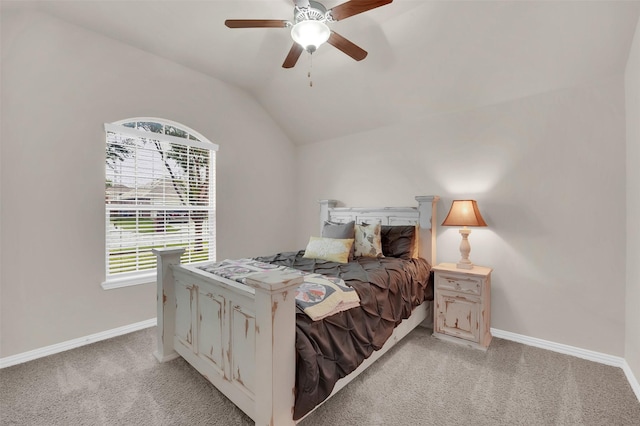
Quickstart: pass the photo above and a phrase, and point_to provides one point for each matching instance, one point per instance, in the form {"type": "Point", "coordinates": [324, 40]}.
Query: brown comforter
{"type": "Point", "coordinates": [327, 350]}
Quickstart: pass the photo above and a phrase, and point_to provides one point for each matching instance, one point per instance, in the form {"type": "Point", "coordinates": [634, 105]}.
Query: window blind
{"type": "Point", "coordinates": [159, 192]}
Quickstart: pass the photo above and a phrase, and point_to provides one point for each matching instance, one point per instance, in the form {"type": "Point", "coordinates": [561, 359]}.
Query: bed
{"type": "Point", "coordinates": [247, 338]}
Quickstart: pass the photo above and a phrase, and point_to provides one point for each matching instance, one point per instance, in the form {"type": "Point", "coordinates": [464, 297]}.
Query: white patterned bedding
{"type": "Point", "coordinates": [319, 296]}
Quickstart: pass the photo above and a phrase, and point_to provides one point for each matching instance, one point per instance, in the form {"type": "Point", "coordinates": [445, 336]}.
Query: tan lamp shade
{"type": "Point", "coordinates": [464, 213]}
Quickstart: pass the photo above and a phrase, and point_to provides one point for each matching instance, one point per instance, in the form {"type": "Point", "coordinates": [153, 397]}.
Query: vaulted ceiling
{"type": "Point", "coordinates": [425, 57]}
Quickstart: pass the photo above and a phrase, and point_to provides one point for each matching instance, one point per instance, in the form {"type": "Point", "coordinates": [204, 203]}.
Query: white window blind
{"type": "Point", "coordinates": [159, 192]}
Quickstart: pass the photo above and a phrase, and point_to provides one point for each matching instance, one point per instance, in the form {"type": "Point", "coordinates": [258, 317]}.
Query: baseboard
{"type": "Point", "coordinates": [599, 357]}
{"type": "Point", "coordinates": [632, 379]}
{"type": "Point", "coordinates": [75, 343]}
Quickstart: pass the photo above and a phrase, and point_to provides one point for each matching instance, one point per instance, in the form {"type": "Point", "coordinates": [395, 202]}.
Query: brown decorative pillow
{"type": "Point", "coordinates": [398, 241]}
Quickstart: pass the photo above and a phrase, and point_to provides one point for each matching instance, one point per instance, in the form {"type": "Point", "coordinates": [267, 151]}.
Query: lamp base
{"type": "Point", "coordinates": [465, 249]}
{"type": "Point", "coordinates": [461, 265]}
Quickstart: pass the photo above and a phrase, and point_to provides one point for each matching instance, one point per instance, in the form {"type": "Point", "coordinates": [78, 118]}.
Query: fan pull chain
{"type": "Point", "coordinates": [310, 68]}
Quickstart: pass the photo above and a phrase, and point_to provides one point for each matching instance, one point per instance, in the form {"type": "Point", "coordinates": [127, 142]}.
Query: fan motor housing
{"type": "Point", "coordinates": [315, 12]}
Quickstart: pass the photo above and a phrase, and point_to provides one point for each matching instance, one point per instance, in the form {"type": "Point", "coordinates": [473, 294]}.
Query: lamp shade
{"type": "Point", "coordinates": [310, 34]}
{"type": "Point", "coordinates": [464, 213]}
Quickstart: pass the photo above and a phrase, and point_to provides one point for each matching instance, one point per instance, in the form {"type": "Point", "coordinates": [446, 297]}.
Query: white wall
{"type": "Point", "coordinates": [548, 172]}
{"type": "Point", "coordinates": [60, 83]}
{"type": "Point", "coordinates": [632, 90]}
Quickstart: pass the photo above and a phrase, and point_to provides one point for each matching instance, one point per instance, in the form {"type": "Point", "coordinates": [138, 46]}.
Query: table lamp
{"type": "Point", "coordinates": [464, 213]}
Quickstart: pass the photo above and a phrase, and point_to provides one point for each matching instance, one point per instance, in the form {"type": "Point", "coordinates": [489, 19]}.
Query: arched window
{"type": "Point", "coordinates": [159, 192]}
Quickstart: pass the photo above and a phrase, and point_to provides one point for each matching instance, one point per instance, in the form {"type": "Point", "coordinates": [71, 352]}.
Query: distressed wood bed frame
{"type": "Point", "coordinates": [242, 337]}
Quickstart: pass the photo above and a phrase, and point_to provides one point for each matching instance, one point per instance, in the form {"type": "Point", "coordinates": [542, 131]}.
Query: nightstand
{"type": "Point", "coordinates": [462, 309]}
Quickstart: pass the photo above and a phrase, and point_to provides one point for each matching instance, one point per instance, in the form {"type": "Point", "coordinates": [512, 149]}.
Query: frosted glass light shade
{"type": "Point", "coordinates": [310, 34]}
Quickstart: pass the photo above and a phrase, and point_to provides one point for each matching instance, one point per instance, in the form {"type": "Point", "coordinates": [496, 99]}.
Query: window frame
{"type": "Point", "coordinates": [126, 279]}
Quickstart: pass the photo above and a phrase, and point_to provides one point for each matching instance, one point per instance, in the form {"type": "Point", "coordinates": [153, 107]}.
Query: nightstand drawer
{"type": "Point", "coordinates": [464, 284]}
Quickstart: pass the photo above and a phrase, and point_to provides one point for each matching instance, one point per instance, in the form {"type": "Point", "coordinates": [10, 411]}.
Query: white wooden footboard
{"type": "Point", "coordinates": [241, 338]}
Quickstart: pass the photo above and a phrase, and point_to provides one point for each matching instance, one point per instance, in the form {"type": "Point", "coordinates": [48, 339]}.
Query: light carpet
{"type": "Point", "coordinates": [422, 381]}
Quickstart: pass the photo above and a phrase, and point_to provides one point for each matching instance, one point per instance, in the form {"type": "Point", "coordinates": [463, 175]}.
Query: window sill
{"type": "Point", "coordinates": [113, 283]}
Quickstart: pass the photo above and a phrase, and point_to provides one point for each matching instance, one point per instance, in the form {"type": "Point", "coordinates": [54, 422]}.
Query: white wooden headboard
{"type": "Point", "coordinates": [423, 215]}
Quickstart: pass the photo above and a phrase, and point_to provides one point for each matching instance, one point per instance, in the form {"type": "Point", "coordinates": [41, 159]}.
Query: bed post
{"type": "Point", "coordinates": [166, 302]}
{"type": "Point", "coordinates": [427, 206]}
{"type": "Point", "coordinates": [275, 376]}
{"type": "Point", "coordinates": [325, 205]}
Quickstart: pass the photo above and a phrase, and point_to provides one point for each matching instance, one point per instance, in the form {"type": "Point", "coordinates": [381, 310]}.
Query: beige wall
{"type": "Point", "coordinates": [530, 163]}
{"type": "Point", "coordinates": [632, 90]}
{"type": "Point", "coordinates": [60, 83]}
{"type": "Point", "coordinates": [548, 172]}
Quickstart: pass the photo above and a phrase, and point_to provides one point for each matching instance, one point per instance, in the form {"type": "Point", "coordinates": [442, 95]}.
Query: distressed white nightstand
{"type": "Point", "coordinates": [462, 311]}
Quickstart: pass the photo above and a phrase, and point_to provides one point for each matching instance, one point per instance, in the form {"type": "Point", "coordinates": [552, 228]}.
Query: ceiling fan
{"type": "Point", "coordinates": [309, 27]}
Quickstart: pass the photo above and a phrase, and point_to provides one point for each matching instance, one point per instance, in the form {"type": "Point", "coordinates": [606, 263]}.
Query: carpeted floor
{"type": "Point", "coordinates": [422, 381]}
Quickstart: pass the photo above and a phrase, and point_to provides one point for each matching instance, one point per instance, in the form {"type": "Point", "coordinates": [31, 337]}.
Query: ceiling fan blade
{"type": "Point", "coordinates": [255, 23]}
{"type": "Point", "coordinates": [353, 7]}
{"type": "Point", "coordinates": [341, 43]}
{"type": "Point", "coordinates": [292, 57]}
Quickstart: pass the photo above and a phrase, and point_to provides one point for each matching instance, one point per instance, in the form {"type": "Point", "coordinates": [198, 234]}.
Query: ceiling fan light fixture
{"type": "Point", "coordinates": [310, 34]}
